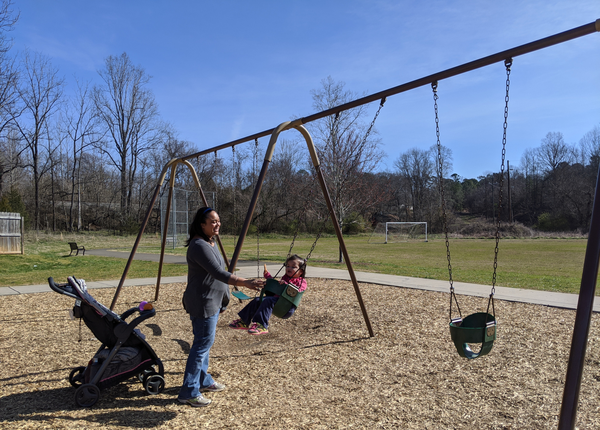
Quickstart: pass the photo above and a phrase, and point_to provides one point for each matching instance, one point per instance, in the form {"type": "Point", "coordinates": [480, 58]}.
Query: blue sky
{"type": "Point", "coordinates": [228, 69]}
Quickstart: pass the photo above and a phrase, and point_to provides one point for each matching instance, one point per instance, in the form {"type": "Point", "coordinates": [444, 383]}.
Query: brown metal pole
{"type": "Point", "coordinates": [164, 233]}
{"type": "Point", "coordinates": [336, 225]}
{"type": "Point", "coordinates": [171, 186]}
{"type": "Point", "coordinates": [338, 232]}
{"type": "Point", "coordinates": [246, 225]}
{"type": "Point", "coordinates": [467, 67]}
{"type": "Point", "coordinates": [197, 182]}
{"type": "Point", "coordinates": [537, 45]}
{"type": "Point", "coordinates": [583, 317]}
{"type": "Point", "coordinates": [135, 245]}
{"type": "Point", "coordinates": [261, 178]}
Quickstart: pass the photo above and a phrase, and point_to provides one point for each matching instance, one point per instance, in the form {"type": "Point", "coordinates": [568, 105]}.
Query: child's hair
{"type": "Point", "coordinates": [196, 227]}
{"type": "Point", "coordinates": [302, 261]}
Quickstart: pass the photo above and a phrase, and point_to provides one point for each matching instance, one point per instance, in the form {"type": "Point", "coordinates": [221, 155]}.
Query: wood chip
{"type": "Point", "coordinates": [318, 370]}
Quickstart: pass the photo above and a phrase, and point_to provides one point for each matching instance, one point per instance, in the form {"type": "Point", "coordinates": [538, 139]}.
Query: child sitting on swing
{"type": "Point", "coordinates": [254, 317]}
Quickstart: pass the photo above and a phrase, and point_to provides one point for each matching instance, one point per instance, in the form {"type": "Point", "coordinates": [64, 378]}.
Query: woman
{"type": "Point", "coordinates": [206, 295]}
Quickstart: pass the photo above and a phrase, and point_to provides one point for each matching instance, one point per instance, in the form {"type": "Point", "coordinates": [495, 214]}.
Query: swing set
{"type": "Point", "coordinates": [475, 328]}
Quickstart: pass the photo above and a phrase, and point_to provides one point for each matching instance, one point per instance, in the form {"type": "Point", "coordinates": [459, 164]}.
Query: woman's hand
{"type": "Point", "coordinates": [254, 284]}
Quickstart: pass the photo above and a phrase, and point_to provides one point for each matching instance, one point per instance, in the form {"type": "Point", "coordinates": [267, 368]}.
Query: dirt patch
{"type": "Point", "coordinates": [318, 370]}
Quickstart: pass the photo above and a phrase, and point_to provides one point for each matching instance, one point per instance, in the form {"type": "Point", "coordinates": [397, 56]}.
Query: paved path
{"type": "Point", "coordinates": [248, 269]}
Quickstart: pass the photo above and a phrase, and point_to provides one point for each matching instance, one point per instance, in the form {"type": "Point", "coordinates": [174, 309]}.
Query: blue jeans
{"type": "Point", "coordinates": [196, 374]}
{"type": "Point", "coordinates": [260, 312]}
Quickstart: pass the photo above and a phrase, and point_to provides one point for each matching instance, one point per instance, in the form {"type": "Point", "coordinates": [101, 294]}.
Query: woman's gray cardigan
{"type": "Point", "coordinates": [207, 289]}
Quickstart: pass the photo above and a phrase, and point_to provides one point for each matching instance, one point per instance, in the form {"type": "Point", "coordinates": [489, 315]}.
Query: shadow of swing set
{"type": "Point", "coordinates": [477, 328]}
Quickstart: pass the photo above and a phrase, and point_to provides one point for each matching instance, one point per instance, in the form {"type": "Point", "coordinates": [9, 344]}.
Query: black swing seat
{"type": "Point", "coordinates": [289, 296]}
{"type": "Point", "coordinates": [476, 328]}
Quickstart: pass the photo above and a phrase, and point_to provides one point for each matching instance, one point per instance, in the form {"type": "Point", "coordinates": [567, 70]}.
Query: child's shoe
{"type": "Point", "coordinates": [258, 328]}
{"type": "Point", "coordinates": [196, 401]}
{"type": "Point", "coordinates": [239, 325]}
{"type": "Point", "coordinates": [216, 386]}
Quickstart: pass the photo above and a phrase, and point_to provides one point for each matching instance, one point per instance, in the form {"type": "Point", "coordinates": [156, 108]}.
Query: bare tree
{"type": "Point", "coordinates": [39, 95]}
{"type": "Point", "coordinates": [9, 154]}
{"type": "Point", "coordinates": [129, 112]}
{"type": "Point", "coordinates": [340, 139]}
{"type": "Point", "coordinates": [590, 147]}
{"type": "Point", "coordinates": [10, 149]}
{"type": "Point", "coordinates": [554, 151]}
{"type": "Point", "coordinates": [11, 159]}
{"type": "Point", "coordinates": [346, 149]}
{"type": "Point", "coordinates": [80, 131]}
{"type": "Point", "coordinates": [8, 71]}
{"type": "Point", "coordinates": [168, 148]}
{"type": "Point", "coordinates": [284, 194]}
{"type": "Point", "coordinates": [8, 19]}
{"type": "Point", "coordinates": [100, 200]}
{"type": "Point", "coordinates": [344, 166]}
{"type": "Point", "coordinates": [417, 170]}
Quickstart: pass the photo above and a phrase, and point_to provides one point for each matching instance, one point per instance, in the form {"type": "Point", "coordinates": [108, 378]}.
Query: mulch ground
{"type": "Point", "coordinates": [317, 370]}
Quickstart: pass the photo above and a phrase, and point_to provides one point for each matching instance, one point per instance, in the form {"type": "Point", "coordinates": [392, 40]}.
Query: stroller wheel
{"type": "Point", "coordinates": [76, 376]}
{"type": "Point", "coordinates": [87, 395]}
{"type": "Point", "coordinates": [146, 372]}
{"type": "Point", "coordinates": [154, 383]}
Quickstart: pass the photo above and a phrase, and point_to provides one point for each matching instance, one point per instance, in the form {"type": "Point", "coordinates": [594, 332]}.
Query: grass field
{"type": "Point", "coordinates": [540, 264]}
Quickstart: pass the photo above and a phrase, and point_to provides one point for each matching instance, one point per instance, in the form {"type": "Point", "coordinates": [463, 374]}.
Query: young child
{"type": "Point", "coordinates": [254, 317]}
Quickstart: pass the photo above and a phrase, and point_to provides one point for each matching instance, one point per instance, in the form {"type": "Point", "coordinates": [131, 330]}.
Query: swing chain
{"type": "Point", "coordinates": [294, 239]}
{"type": "Point", "coordinates": [507, 64]}
{"type": "Point", "coordinates": [235, 229]}
{"type": "Point", "coordinates": [297, 231]}
{"type": "Point", "coordinates": [257, 251]}
{"type": "Point", "coordinates": [374, 119]}
{"type": "Point", "coordinates": [318, 236]}
{"type": "Point", "coordinates": [309, 198]}
{"type": "Point", "coordinates": [255, 162]}
{"type": "Point", "coordinates": [313, 246]}
{"type": "Point", "coordinates": [316, 239]}
{"type": "Point", "coordinates": [235, 180]}
{"type": "Point", "coordinates": [440, 168]}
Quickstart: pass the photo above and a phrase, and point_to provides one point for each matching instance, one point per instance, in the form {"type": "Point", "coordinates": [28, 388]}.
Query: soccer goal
{"type": "Point", "coordinates": [405, 231]}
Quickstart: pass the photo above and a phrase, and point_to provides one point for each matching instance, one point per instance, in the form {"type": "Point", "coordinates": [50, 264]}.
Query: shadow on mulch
{"type": "Point", "coordinates": [126, 407]}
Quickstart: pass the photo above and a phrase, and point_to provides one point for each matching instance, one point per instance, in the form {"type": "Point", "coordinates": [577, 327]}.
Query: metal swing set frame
{"type": "Point", "coordinates": [592, 255]}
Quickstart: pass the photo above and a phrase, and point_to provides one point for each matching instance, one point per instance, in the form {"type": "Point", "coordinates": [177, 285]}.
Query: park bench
{"type": "Point", "coordinates": [74, 247]}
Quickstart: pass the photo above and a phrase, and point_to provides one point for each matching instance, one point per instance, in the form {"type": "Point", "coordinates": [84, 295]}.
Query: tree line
{"type": "Point", "coordinates": [92, 159]}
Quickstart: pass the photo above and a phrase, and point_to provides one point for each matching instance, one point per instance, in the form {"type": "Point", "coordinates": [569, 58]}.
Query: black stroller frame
{"type": "Point", "coordinates": [124, 352]}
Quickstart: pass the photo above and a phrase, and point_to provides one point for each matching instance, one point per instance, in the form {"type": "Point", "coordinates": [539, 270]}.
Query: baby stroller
{"type": "Point", "coordinates": [124, 352]}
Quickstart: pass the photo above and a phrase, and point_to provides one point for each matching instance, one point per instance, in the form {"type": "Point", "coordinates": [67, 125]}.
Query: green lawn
{"type": "Point", "coordinates": [541, 264]}
{"type": "Point", "coordinates": [48, 255]}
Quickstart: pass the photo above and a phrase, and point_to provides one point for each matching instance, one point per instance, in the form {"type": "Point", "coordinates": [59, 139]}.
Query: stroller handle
{"type": "Point", "coordinates": [65, 288]}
